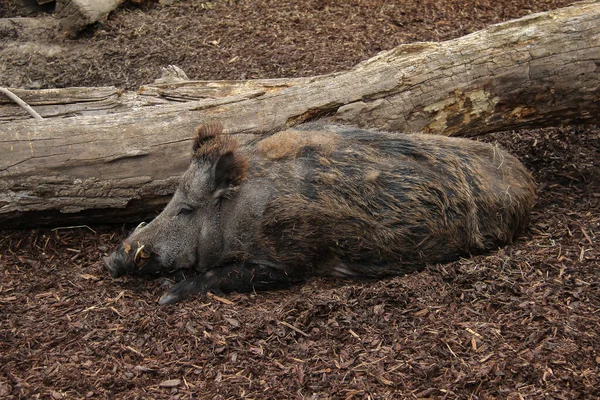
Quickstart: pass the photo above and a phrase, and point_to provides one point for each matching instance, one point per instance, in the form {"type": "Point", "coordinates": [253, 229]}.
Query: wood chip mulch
{"type": "Point", "coordinates": [520, 323]}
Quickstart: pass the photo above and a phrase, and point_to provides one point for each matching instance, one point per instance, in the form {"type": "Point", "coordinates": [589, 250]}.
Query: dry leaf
{"type": "Point", "coordinates": [421, 313]}
{"type": "Point", "coordinates": [234, 322]}
{"type": "Point", "coordinates": [170, 383]}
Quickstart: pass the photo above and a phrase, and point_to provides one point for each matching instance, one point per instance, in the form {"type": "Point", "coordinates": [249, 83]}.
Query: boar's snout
{"type": "Point", "coordinates": [127, 260]}
{"type": "Point", "coordinates": [115, 264]}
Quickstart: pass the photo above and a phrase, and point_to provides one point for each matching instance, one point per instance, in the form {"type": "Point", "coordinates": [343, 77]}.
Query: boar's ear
{"type": "Point", "coordinates": [205, 132]}
{"type": "Point", "coordinates": [229, 171]}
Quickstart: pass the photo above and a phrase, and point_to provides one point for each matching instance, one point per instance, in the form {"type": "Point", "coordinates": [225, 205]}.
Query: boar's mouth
{"type": "Point", "coordinates": [124, 260]}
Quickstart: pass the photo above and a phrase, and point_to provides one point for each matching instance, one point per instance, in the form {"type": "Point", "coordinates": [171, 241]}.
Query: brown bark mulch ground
{"type": "Point", "coordinates": [521, 322]}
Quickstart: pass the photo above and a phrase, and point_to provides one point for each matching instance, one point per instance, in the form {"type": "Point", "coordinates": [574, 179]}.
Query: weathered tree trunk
{"type": "Point", "coordinates": [105, 156]}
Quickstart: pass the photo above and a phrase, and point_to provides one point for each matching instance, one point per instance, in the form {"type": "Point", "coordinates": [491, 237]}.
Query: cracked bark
{"type": "Point", "coordinates": [101, 155]}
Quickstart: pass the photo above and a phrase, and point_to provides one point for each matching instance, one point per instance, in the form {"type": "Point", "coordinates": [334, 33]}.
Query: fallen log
{"type": "Point", "coordinates": [101, 155]}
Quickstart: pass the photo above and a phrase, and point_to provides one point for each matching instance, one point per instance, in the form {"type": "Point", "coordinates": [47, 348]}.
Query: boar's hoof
{"type": "Point", "coordinates": [183, 290]}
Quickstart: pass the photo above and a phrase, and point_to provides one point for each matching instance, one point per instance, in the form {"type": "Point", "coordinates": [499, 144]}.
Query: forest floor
{"type": "Point", "coordinates": [522, 322]}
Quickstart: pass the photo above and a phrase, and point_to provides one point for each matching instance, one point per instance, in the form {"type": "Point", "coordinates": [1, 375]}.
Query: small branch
{"type": "Point", "coordinates": [20, 102]}
{"type": "Point", "coordinates": [292, 327]}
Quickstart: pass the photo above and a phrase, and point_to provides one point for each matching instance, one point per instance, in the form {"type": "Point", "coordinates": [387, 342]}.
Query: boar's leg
{"type": "Point", "coordinates": [237, 277]}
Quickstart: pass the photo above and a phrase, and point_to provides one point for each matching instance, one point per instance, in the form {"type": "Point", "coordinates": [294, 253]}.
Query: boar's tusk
{"type": "Point", "coordinates": [140, 255]}
{"type": "Point", "coordinates": [140, 226]}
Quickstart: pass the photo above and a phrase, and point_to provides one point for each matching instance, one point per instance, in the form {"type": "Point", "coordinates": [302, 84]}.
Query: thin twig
{"type": "Point", "coordinates": [221, 299]}
{"type": "Point", "coordinates": [294, 328]}
{"type": "Point", "coordinates": [73, 227]}
{"type": "Point", "coordinates": [20, 102]}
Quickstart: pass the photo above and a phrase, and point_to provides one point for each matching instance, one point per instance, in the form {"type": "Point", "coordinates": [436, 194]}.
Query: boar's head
{"type": "Point", "coordinates": [188, 234]}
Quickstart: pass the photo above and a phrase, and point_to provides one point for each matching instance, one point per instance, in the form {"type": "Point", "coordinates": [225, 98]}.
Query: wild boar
{"type": "Point", "coordinates": [326, 200]}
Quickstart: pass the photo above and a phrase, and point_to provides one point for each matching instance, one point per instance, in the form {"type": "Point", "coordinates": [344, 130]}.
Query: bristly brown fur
{"type": "Point", "coordinates": [207, 131]}
{"type": "Point", "coordinates": [290, 143]}
{"type": "Point", "coordinates": [210, 144]}
{"type": "Point", "coordinates": [385, 205]}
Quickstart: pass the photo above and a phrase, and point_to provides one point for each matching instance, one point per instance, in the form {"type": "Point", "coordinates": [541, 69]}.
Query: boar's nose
{"type": "Point", "coordinates": [113, 267]}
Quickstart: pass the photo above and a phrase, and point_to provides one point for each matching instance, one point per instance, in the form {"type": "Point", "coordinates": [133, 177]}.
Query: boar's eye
{"type": "Point", "coordinates": [185, 210]}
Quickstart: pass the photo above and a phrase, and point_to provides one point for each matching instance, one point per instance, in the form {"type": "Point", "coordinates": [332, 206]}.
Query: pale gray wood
{"type": "Point", "coordinates": [124, 152]}
{"type": "Point", "coordinates": [74, 15]}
